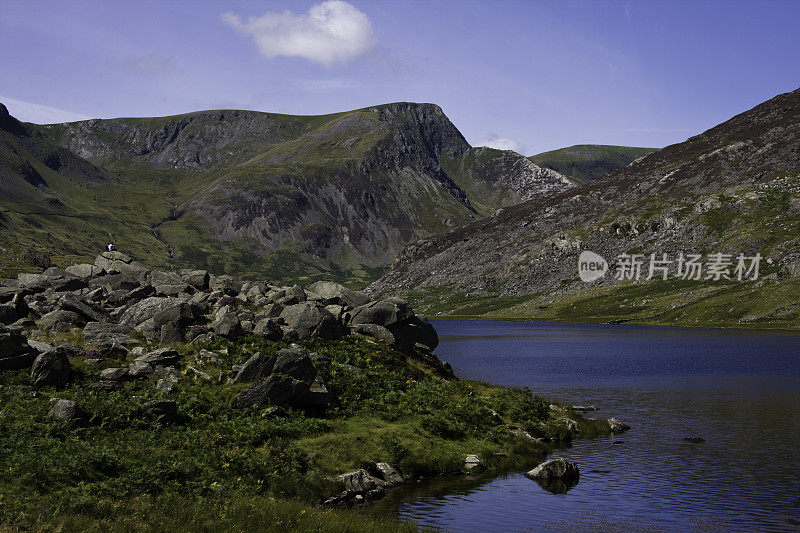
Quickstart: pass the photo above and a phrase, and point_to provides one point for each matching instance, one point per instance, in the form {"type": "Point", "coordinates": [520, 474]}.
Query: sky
{"type": "Point", "coordinates": [524, 75]}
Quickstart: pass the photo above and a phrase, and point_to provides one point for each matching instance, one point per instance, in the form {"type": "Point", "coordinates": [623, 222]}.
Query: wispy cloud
{"type": "Point", "coordinates": [332, 32]}
{"type": "Point", "coordinates": [501, 143]}
{"type": "Point", "coordinates": [38, 113]}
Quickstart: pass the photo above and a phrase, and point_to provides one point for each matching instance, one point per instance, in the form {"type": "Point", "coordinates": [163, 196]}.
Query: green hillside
{"type": "Point", "coordinates": [587, 162]}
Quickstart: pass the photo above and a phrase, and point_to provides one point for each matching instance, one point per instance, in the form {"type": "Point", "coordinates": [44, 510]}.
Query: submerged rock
{"type": "Point", "coordinates": [555, 475]}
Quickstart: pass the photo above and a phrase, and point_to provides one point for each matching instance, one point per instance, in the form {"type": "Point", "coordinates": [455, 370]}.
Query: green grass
{"type": "Point", "coordinates": [587, 162]}
{"type": "Point", "coordinates": [220, 468]}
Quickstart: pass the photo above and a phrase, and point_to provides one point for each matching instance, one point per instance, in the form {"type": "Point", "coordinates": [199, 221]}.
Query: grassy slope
{"type": "Point", "coordinates": [587, 162]}
{"type": "Point", "coordinates": [227, 469]}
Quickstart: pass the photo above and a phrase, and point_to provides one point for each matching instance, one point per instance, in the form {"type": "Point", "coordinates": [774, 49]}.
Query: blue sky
{"type": "Point", "coordinates": [533, 76]}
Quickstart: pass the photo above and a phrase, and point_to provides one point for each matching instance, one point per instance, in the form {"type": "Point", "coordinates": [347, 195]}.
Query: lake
{"type": "Point", "coordinates": [738, 390]}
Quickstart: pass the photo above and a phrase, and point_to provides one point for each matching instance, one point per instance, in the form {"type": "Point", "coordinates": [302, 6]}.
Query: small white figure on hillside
{"type": "Point", "coordinates": [110, 247]}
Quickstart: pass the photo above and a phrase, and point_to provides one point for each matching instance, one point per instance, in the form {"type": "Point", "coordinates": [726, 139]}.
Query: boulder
{"type": "Point", "coordinates": [115, 282]}
{"type": "Point", "coordinates": [228, 326]}
{"type": "Point", "coordinates": [160, 357]}
{"type": "Point", "coordinates": [67, 410]}
{"type": "Point", "coordinates": [310, 319]}
{"type": "Point", "coordinates": [269, 329]}
{"type": "Point", "coordinates": [225, 284]}
{"type": "Point", "coordinates": [389, 475]}
{"type": "Point", "coordinates": [318, 396]}
{"type": "Point", "coordinates": [84, 270]}
{"type": "Point", "coordinates": [70, 302]}
{"type": "Point", "coordinates": [15, 352]}
{"type": "Point", "coordinates": [101, 335]}
{"type": "Point", "coordinates": [376, 331]}
{"type": "Point", "coordinates": [386, 313]}
{"type": "Point", "coordinates": [8, 315]}
{"type": "Point", "coordinates": [556, 475]}
{"type": "Point", "coordinates": [416, 331]}
{"type": "Point", "coordinates": [146, 309]}
{"type": "Point", "coordinates": [60, 320]}
{"type": "Point", "coordinates": [275, 390]}
{"type": "Point", "coordinates": [198, 279]}
{"type": "Point", "coordinates": [257, 367]}
{"type": "Point", "coordinates": [51, 369]}
{"type": "Point", "coordinates": [295, 362]}
{"type": "Point", "coordinates": [118, 263]}
{"type": "Point", "coordinates": [139, 369]}
{"type": "Point", "coordinates": [618, 426]}
{"type": "Point", "coordinates": [359, 481]}
{"type": "Point", "coordinates": [333, 293]}
{"type": "Point", "coordinates": [113, 374]}
{"type": "Point", "coordinates": [556, 468]}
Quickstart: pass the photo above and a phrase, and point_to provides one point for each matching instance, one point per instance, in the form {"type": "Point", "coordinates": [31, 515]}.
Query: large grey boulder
{"type": "Point", "coordinates": [84, 270]}
{"type": "Point", "coordinates": [119, 263]}
{"type": "Point", "coordinates": [617, 426]}
{"type": "Point", "coordinates": [310, 319]}
{"type": "Point", "coordinates": [15, 352]}
{"type": "Point", "coordinates": [333, 293]}
{"type": "Point", "coordinates": [8, 315]}
{"type": "Point", "coordinates": [60, 320]}
{"type": "Point", "coordinates": [295, 362]}
{"type": "Point", "coordinates": [416, 331]}
{"type": "Point", "coordinates": [557, 468]}
{"type": "Point", "coordinates": [146, 309]}
{"type": "Point", "coordinates": [277, 390]}
{"type": "Point", "coordinates": [198, 279]}
{"type": "Point", "coordinates": [51, 369]}
{"type": "Point", "coordinates": [376, 331]}
{"type": "Point", "coordinates": [70, 302]}
{"type": "Point", "coordinates": [228, 326]}
{"type": "Point", "coordinates": [269, 329]}
{"type": "Point", "coordinates": [257, 367]}
{"type": "Point", "coordinates": [386, 313]}
{"type": "Point", "coordinates": [103, 335]}
{"type": "Point", "coordinates": [160, 357]}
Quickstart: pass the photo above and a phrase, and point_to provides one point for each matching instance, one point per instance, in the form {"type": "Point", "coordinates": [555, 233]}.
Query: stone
{"type": "Point", "coordinates": [333, 293]}
{"type": "Point", "coordinates": [359, 482]}
{"type": "Point", "coordinates": [311, 320]}
{"type": "Point", "coordinates": [60, 320]}
{"type": "Point", "coordinates": [472, 463]}
{"type": "Point", "coordinates": [617, 426]}
{"type": "Point", "coordinates": [556, 468]}
{"type": "Point", "coordinates": [106, 335]}
{"type": "Point", "coordinates": [139, 369]}
{"type": "Point", "coordinates": [8, 315]}
{"type": "Point", "coordinates": [66, 410]}
{"type": "Point", "coordinates": [388, 474]}
{"type": "Point", "coordinates": [70, 302]}
{"type": "Point", "coordinates": [160, 357]}
{"type": "Point", "coordinates": [269, 329]}
{"type": "Point", "coordinates": [167, 385]}
{"type": "Point", "coordinates": [115, 282]}
{"type": "Point", "coordinates": [388, 312]}
{"type": "Point", "coordinates": [113, 374]}
{"type": "Point", "coordinates": [276, 390]}
{"type": "Point", "coordinates": [84, 270]}
{"type": "Point", "coordinates": [416, 331]}
{"type": "Point", "coordinates": [318, 396]}
{"type": "Point", "coordinates": [118, 263]}
{"type": "Point", "coordinates": [258, 366]}
{"type": "Point", "coordinates": [198, 279]}
{"type": "Point", "coordinates": [295, 362]}
{"type": "Point", "coordinates": [51, 369]}
{"type": "Point", "coordinates": [190, 370]}
{"type": "Point", "coordinates": [274, 412]}
{"type": "Point", "coordinates": [375, 331]}
{"type": "Point", "coordinates": [170, 334]}
{"type": "Point", "coordinates": [225, 284]}
{"type": "Point", "coordinates": [228, 326]}
{"type": "Point", "coordinates": [15, 352]}
{"type": "Point", "coordinates": [146, 309]}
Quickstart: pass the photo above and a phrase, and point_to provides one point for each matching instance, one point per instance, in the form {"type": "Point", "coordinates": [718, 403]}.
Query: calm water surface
{"type": "Point", "coordinates": [740, 391]}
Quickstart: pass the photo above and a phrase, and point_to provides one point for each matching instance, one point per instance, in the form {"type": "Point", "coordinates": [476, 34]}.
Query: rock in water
{"type": "Point", "coordinates": [617, 426]}
{"type": "Point", "coordinates": [556, 475]}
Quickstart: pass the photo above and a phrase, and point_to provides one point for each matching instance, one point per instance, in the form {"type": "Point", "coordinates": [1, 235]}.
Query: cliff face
{"type": "Point", "coordinates": [733, 189]}
{"type": "Point", "coordinates": [243, 191]}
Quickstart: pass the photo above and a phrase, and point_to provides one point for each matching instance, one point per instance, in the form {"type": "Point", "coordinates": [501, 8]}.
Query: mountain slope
{"type": "Point", "coordinates": [587, 162]}
{"type": "Point", "coordinates": [247, 192]}
{"type": "Point", "coordinates": [733, 189]}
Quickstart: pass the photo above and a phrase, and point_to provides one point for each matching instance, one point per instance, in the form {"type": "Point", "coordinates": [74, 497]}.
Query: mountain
{"type": "Point", "coordinates": [734, 189]}
{"type": "Point", "coordinates": [247, 192]}
{"type": "Point", "coordinates": [586, 162]}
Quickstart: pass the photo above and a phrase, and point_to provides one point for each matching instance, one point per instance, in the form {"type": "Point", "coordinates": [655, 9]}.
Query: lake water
{"type": "Point", "coordinates": [739, 390]}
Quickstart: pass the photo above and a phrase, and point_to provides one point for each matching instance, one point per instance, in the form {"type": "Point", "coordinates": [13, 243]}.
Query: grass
{"type": "Point", "coordinates": [219, 468]}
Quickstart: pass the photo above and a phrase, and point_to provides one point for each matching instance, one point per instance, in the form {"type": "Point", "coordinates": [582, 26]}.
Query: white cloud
{"type": "Point", "coordinates": [501, 143]}
{"type": "Point", "coordinates": [37, 113]}
{"type": "Point", "coordinates": [331, 32]}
